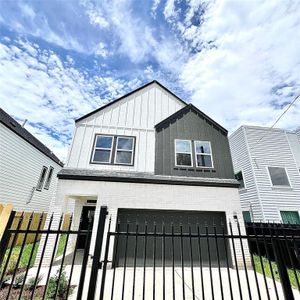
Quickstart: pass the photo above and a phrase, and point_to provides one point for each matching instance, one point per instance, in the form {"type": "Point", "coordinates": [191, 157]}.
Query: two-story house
{"type": "Point", "coordinates": [149, 156]}
{"type": "Point", "coordinates": [267, 164]}
{"type": "Point", "coordinates": [28, 169]}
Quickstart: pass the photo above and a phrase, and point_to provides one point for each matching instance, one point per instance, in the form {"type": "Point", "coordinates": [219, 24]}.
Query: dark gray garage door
{"type": "Point", "coordinates": [188, 219]}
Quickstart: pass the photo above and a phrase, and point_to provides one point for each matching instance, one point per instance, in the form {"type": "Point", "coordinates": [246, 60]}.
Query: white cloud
{"type": "Point", "coordinates": [169, 10]}
{"type": "Point", "coordinates": [251, 49]}
{"type": "Point", "coordinates": [37, 85]}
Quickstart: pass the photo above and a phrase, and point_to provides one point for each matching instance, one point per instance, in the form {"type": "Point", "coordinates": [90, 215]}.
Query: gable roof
{"type": "Point", "coordinates": [187, 108]}
{"type": "Point", "coordinates": [14, 126]}
{"type": "Point", "coordinates": [130, 93]}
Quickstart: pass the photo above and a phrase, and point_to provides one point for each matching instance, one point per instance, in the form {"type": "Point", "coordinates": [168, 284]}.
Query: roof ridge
{"type": "Point", "coordinates": [128, 94]}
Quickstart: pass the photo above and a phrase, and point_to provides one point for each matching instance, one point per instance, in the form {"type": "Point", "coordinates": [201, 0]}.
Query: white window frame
{"type": "Point", "coordinates": [191, 153]}
{"type": "Point", "coordinates": [48, 180]}
{"type": "Point", "coordinates": [100, 148]}
{"type": "Point", "coordinates": [245, 185]}
{"type": "Point", "coordinates": [40, 182]}
{"type": "Point", "coordinates": [124, 150]}
{"type": "Point", "coordinates": [210, 154]}
{"type": "Point", "coordinates": [279, 186]}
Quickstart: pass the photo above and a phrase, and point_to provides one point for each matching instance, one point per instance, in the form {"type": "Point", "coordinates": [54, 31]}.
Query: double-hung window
{"type": "Point", "coordinates": [49, 177]}
{"type": "Point", "coordinates": [103, 149]}
{"type": "Point", "coordinates": [203, 154]}
{"type": "Point", "coordinates": [41, 179]}
{"type": "Point", "coordinates": [110, 149]}
{"type": "Point", "coordinates": [183, 153]}
{"type": "Point", "coordinates": [124, 151]}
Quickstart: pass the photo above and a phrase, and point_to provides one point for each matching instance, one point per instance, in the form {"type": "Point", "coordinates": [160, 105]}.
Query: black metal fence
{"type": "Point", "coordinates": [172, 261]}
{"type": "Point", "coordinates": [150, 261]}
{"type": "Point", "coordinates": [45, 268]}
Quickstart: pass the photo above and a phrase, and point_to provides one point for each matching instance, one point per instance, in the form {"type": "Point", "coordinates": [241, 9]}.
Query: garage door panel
{"type": "Point", "coordinates": [172, 245]}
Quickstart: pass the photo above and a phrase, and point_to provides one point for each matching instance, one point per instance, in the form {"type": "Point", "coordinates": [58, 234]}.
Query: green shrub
{"type": "Point", "coordinates": [62, 286]}
{"type": "Point", "coordinates": [19, 280]}
{"type": "Point", "coordinates": [31, 281]}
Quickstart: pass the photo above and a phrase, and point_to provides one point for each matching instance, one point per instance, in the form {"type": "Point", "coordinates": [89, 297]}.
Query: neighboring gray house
{"type": "Point", "coordinates": [149, 155]}
{"type": "Point", "coordinates": [28, 169]}
{"type": "Point", "coordinates": [267, 164]}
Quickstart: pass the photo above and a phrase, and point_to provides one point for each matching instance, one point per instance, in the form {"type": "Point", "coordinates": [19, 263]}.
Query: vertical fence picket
{"type": "Point", "coordinates": [20, 254]}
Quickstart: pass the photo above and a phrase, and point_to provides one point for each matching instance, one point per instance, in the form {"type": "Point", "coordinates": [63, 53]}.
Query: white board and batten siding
{"type": "Point", "coordinates": [20, 168]}
{"type": "Point", "coordinates": [135, 115]}
{"type": "Point", "coordinates": [268, 148]}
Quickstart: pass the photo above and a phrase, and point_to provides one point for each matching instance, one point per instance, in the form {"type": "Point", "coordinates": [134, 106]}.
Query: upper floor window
{"type": "Point", "coordinates": [239, 177]}
{"type": "Point", "coordinates": [278, 176]}
{"type": "Point", "coordinates": [183, 153]}
{"type": "Point", "coordinates": [41, 179]}
{"type": "Point", "coordinates": [49, 177]}
{"type": "Point", "coordinates": [201, 158]}
{"type": "Point", "coordinates": [203, 154]}
{"type": "Point", "coordinates": [110, 149]}
{"type": "Point", "coordinates": [290, 217]}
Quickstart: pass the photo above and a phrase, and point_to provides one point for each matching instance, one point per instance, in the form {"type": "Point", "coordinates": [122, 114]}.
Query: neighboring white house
{"type": "Point", "coordinates": [149, 155]}
{"type": "Point", "coordinates": [267, 164]}
{"type": "Point", "coordinates": [28, 169]}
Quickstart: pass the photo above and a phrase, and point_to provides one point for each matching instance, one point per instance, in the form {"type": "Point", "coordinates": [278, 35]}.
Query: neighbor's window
{"type": "Point", "coordinates": [239, 177]}
{"type": "Point", "coordinates": [183, 153]}
{"type": "Point", "coordinates": [247, 216]}
{"type": "Point", "coordinates": [41, 179]}
{"type": "Point", "coordinates": [103, 149]}
{"type": "Point", "coordinates": [203, 154]}
{"type": "Point", "coordinates": [124, 150]}
{"type": "Point", "coordinates": [290, 217]}
{"type": "Point", "coordinates": [113, 150]}
{"type": "Point", "coordinates": [278, 176]}
{"type": "Point", "coordinates": [49, 177]}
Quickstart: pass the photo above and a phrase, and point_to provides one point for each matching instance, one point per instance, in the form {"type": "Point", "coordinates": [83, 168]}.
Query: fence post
{"type": "Point", "coordinates": [282, 269]}
{"type": "Point", "coordinates": [97, 253]}
{"type": "Point", "coordinates": [6, 219]}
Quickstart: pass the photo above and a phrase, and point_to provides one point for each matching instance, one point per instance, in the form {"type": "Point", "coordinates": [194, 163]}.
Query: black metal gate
{"type": "Point", "coordinates": [250, 276]}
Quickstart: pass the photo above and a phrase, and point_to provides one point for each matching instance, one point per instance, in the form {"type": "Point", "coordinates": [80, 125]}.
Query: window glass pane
{"type": "Point", "coordinates": [278, 176]}
{"type": "Point", "coordinates": [247, 216]}
{"type": "Point", "coordinates": [202, 147]}
{"type": "Point", "coordinates": [125, 143]}
{"type": "Point", "coordinates": [123, 157]}
{"type": "Point", "coordinates": [240, 179]}
{"type": "Point", "coordinates": [48, 181]}
{"type": "Point", "coordinates": [41, 179]}
{"type": "Point", "coordinates": [104, 142]}
{"type": "Point", "coordinates": [183, 159]}
{"type": "Point", "coordinates": [183, 146]}
{"type": "Point", "coordinates": [290, 217]}
{"type": "Point", "coordinates": [204, 161]}
{"type": "Point", "coordinates": [102, 156]}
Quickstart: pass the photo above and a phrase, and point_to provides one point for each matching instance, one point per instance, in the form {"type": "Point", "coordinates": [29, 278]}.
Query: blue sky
{"type": "Point", "coordinates": [238, 61]}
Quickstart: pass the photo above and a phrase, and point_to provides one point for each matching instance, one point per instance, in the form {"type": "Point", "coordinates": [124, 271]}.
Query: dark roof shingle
{"type": "Point", "coordinates": [14, 126]}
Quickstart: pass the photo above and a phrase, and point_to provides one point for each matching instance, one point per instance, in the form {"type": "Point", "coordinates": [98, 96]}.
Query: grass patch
{"type": "Point", "coordinates": [267, 269]}
{"type": "Point", "coordinates": [24, 258]}
{"type": "Point", "coordinates": [61, 245]}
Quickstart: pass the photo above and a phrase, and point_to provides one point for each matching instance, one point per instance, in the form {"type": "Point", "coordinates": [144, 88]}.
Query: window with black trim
{"type": "Point", "coordinates": [239, 177]}
{"type": "Point", "coordinates": [41, 179]}
{"type": "Point", "coordinates": [49, 177]}
{"type": "Point", "coordinates": [278, 176]}
{"type": "Point", "coordinates": [110, 149]}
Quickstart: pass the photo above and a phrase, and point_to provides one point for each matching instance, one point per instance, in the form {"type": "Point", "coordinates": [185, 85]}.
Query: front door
{"type": "Point", "coordinates": [87, 212]}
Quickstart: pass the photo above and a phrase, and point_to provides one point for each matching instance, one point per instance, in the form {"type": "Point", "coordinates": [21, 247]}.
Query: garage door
{"type": "Point", "coordinates": [147, 247]}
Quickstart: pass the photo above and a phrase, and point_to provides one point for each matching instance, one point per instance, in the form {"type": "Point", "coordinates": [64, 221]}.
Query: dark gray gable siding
{"type": "Point", "coordinates": [190, 125]}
